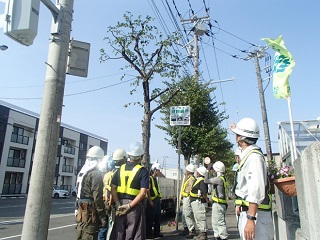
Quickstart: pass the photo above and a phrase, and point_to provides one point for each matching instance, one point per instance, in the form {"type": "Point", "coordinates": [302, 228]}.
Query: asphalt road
{"type": "Point", "coordinates": [62, 221]}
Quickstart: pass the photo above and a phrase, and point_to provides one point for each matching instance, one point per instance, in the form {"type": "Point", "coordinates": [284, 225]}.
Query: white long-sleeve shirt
{"type": "Point", "coordinates": [252, 178]}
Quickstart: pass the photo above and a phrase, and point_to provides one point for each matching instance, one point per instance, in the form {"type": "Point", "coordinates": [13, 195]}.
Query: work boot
{"type": "Point", "coordinates": [191, 234]}
{"type": "Point", "coordinates": [185, 232]}
{"type": "Point", "coordinates": [202, 236]}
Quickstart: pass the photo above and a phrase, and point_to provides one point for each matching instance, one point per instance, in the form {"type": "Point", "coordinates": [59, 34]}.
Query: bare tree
{"type": "Point", "coordinates": [150, 54]}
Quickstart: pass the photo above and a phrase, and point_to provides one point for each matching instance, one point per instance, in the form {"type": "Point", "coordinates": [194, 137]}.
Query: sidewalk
{"type": "Point", "coordinates": [170, 232]}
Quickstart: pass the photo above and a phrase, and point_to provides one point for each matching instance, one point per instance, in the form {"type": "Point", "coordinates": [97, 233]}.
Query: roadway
{"type": "Point", "coordinates": [62, 221]}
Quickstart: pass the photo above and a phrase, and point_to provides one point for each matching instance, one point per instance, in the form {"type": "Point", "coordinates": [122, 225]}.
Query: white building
{"type": "Point", "coordinates": [172, 173]}
{"type": "Point", "coordinates": [18, 133]}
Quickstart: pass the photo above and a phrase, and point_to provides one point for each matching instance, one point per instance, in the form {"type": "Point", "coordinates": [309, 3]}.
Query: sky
{"type": "Point", "coordinates": [237, 24]}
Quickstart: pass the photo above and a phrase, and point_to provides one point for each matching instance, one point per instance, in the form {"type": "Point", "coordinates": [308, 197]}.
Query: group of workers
{"type": "Point", "coordinates": [126, 203]}
{"type": "Point", "coordinates": [252, 192]}
{"type": "Point", "coordinates": [194, 194]}
{"type": "Point", "coordinates": [117, 198]}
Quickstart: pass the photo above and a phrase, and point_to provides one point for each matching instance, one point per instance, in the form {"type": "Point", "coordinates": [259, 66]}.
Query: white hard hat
{"type": "Point", "coordinates": [103, 165]}
{"type": "Point", "coordinates": [135, 149]}
{"type": "Point", "coordinates": [247, 127]}
{"type": "Point", "coordinates": [190, 168]}
{"type": "Point", "coordinates": [202, 171]}
{"type": "Point", "coordinates": [155, 166]}
{"type": "Point", "coordinates": [95, 152]}
{"type": "Point", "coordinates": [219, 167]}
{"type": "Point", "coordinates": [119, 154]}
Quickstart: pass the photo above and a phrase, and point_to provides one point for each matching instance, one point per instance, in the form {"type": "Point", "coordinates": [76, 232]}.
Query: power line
{"type": "Point", "coordinates": [77, 81]}
{"type": "Point", "coordinates": [73, 94]}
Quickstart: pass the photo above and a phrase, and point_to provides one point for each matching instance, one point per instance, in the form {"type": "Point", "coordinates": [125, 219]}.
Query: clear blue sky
{"type": "Point", "coordinates": [102, 112]}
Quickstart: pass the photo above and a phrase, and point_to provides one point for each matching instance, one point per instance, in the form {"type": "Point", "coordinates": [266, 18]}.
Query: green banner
{"type": "Point", "coordinates": [282, 67]}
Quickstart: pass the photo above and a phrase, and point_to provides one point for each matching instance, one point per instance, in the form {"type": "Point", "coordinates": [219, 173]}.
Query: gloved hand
{"type": "Point", "coordinates": [76, 212]}
{"type": "Point", "coordinates": [123, 209]}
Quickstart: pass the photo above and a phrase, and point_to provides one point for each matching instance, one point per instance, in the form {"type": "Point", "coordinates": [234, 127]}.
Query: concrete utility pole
{"type": "Point", "coordinates": [37, 215]}
{"type": "Point", "coordinates": [196, 57]}
{"type": "Point", "coordinates": [198, 30]}
{"type": "Point", "coordinates": [256, 55]}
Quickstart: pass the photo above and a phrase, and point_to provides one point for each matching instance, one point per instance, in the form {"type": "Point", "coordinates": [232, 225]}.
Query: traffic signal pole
{"type": "Point", "coordinates": [37, 214]}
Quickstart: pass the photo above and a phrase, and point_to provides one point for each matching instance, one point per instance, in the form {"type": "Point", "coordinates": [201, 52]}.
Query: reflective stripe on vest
{"type": "Point", "coordinates": [221, 200]}
{"type": "Point", "coordinates": [195, 186]}
{"type": "Point", "coordinates": [266, 203]}
{"type": "Point", "coordinates": [156, 191]}
{"type": "Point", "coordinates": [238, 201]}
{"type": "Point", "coordinates": [185, 185]}
{"type": "Point", "coordinates": [126, 187]}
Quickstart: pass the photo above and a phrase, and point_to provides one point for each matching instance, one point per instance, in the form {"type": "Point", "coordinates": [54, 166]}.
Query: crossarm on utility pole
{"type": "Point", "coordinates": [53, 9]}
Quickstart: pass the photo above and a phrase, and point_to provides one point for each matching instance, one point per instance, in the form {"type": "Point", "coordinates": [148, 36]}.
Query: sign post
{"type": "Point", "coordinates": [179, 116]}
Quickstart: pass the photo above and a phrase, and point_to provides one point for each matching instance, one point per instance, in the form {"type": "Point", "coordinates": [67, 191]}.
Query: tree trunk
{"type": "Point", "coordinates": [146, 126]}
{"type": "Point", "coordinates": [146, 129]}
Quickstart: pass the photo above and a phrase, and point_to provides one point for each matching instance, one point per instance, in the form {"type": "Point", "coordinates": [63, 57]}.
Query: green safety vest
{"type": "Point", "coordinates": [125, 187]}
{"type": "Point", "coordinates": [195, 187]}
{"type": "Point", "coordinates": [267, 201]}
{"type": "Point", "coordinates": [156, 192]}
{"type": "Point", "coordinates": [185, 194]}
{"type": "Point", "coordinates": [217, 199]}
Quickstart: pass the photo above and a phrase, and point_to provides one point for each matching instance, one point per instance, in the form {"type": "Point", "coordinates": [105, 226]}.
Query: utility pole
{"type": "Point", "coordinates": [165, 165]}
{"type": "Point", "coordinates": [196, 57]}
{"type": "Point", "coordinates": [257, 54]}
{"type": "Point", "coordinates": [37, 214]}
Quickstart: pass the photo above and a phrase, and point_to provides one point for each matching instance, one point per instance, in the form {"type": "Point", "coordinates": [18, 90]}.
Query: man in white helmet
{"type": "Point", "coordinates": [153, 213]}
{"type": "Point", "coordinates": [129, 187]}
{"type": "Point", "coordinates": [91, 212]}
{"type": "Point", "coordinates": [199, 200]}
{"type": "Point", "coordinates": [255, 220]}
{"type": "Point", "coordinates": [105, 170]}
{"type": "Point", "coordinates": [187, 214]}
{"type": "Point", "coordinates": [119, 157]}
{"type": "Point", "coordinates": [219, 199]}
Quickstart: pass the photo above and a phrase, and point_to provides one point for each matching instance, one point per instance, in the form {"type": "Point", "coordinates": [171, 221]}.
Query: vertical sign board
{"type": "Point", "coordinates": [180, 115]}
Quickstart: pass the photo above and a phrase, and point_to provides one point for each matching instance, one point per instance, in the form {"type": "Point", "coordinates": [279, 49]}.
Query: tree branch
{"type": "Point", "coordinates": [153, 98]}
{"type": "Point", "coordinates": [165, 102]}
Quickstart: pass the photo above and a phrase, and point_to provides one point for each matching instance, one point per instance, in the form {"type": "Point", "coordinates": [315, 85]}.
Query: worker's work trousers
{"type": "Point", "coordinates": [199, 211]}
{"type": "Point", "coordinates": [218, 220]}
{"type": "Point", "coordinates": [183, 220]}
{"type": "Point", "coordinates": [153, 217]}
{"type": "Point", "coordinates": [87, 231]}
{"type": "Point", "coordinates": [264, 225]}
{"type": "Point", "coordinates": [131, 225]}
{"type": "Point", "coordinates": [188, 214]}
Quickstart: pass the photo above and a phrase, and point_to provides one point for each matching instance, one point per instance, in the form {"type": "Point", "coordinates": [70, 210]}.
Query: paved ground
{"type": "Point", "coordinates": [170, 232]}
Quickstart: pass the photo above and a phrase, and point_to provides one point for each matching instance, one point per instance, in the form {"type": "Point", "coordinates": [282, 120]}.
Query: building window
{"type": "Point", "coordinates": [67, 168]}
{"type": "Point", "coordinates": [17, 136]}
{"type": "Point", "coordinates": [12, 183]}
{"type": "Point", "coordinates": [81, 146]}
{"type": "Point", "coordinates": [17, 158]}
{"type": "Point", "coordinates": [81, 162]}
{"type": "Point", "coordinates": [69, 150]}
